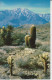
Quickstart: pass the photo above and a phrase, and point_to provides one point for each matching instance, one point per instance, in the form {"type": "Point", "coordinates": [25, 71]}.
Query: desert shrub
{"type": "Point", "coordinates": [38, 44]}
{"type": "Point", "coordinates": [37, 52]}
{"type": "Point", "coordinates": [8, 50]}
{"type": "Point", "coordinates": [18, 39]}
{"type": "Point", "coordinates": [2, 59]}
{"type": "Point", "coordinates": [10, 28]}
{"type": "Point", "coordinates": [23, 64]}
{"type": "Point", "coordinates": [1, 42]}
{"type": "Point", "coordinates": [27, 76]}
{"type": "Point", "coordinates": [43, 35]}
{"type": "Point", "coordinates": [45, 48]}
{"type": "Point", "coordinates": [28, 63]}
{"type": "Point", "coordinates": [22, 48]}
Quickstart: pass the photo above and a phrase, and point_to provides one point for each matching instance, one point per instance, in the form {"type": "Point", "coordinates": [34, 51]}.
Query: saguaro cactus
{"type": "Point", "coordinates": [26, 40]}
{"type": "Point", "coordinates": [33, 32]}
{"type": "Point", "coordinates": [31, 42]}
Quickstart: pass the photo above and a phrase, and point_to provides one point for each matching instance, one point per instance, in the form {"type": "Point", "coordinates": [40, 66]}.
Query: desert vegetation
{"type": "Point", "coordinates": [30, 39]}
{"type": "Point", "coordinates": [18, 60]}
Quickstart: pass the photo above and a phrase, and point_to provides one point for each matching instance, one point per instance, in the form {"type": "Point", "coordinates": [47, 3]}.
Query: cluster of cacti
{"type": "Point", "coordinates": [10, 62]}
{"type": "Point", "coordinates": [44, 58]}
{"type": "Point", "coordinates": [30, 40]}
{"type": "Point", "coordinates": [6, 35]}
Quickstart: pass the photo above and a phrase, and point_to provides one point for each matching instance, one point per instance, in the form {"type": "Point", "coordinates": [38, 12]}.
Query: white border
{"type": "Point", "coordinates": [50, 40]}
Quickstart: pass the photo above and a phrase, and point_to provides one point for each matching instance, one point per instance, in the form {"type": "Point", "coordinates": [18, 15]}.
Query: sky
{"type": "Point", "coordinates": [37, 6]}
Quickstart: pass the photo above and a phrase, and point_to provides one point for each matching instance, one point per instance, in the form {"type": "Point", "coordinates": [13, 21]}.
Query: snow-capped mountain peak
{"type": "Point", "coordinates": [20, 16]}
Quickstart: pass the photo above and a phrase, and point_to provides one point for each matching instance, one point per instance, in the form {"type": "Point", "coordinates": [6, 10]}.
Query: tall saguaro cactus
{"type": "Point", "coordinates": [33, 32]}
{"type": "Point", "coordinates": [30, 40]}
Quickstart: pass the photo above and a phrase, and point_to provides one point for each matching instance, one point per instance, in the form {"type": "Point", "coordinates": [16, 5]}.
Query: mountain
{"type": "Point", "coordinates": [45, 16]}
{"type": "Point", "coordinates": [18, 17]}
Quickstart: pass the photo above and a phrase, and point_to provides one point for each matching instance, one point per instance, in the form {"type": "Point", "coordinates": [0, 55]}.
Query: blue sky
{"type": "Point", "coordinates": [37, 6]}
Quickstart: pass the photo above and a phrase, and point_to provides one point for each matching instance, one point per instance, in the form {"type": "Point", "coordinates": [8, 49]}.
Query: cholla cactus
{"type": "Point", "coordinates": [3, 34]}
{"type": "Point", "coordinates": [10, 62]}
{"type": "Point", "coordinates": [3, 27]}
{"type": "Point", "coordinates": [44, 58]}
{"type": "Point", "coordinates": [6, 35]}
{"type": "Point", "coordinates": [1, 31]}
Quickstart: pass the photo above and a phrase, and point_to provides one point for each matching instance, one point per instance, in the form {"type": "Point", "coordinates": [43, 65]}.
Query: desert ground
{"type": "Point", "coordinates": [27, 63]}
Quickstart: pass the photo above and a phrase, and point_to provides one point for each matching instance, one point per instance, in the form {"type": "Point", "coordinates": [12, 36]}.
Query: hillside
{"type": "Point", "coordinates": [29, 25]}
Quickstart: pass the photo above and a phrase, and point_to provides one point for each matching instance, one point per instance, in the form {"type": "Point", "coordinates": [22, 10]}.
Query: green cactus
{"type": "Point", "coordinates": [33, 32]}
{"type": "Point", "coordinates": [26, 40]}
{"type": "Point", "coordinates": [31, 42]}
